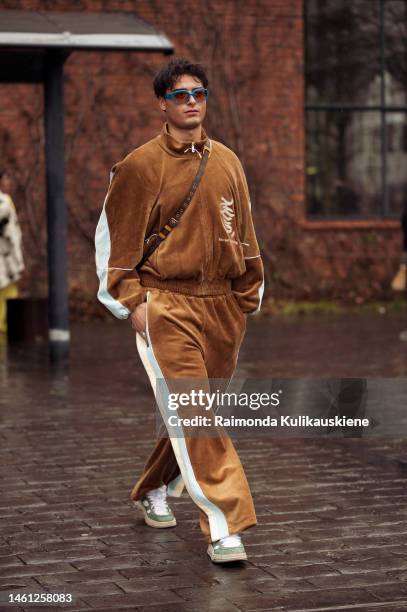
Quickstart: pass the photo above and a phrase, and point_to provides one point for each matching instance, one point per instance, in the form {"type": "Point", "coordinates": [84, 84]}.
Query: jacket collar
{"type": "Point", "coordinates": [182, 149]}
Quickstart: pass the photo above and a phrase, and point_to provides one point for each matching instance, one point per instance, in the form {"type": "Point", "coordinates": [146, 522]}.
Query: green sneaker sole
{"type": "Point", "coordinates": [151, 522]}
{"type": "Point", "coordinates": [225, 555]}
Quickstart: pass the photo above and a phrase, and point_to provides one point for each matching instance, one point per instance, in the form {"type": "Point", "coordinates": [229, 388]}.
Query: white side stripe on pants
{"type": "Point", "coordinates": [217, 521]}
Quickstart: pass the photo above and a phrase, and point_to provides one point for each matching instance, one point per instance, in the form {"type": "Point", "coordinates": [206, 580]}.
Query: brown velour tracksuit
{"type": "Point", "coordinates": [199, 285]}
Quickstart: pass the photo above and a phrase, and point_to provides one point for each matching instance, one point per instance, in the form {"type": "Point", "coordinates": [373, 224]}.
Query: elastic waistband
{"type": "Point", "coordinates": [187, 286]}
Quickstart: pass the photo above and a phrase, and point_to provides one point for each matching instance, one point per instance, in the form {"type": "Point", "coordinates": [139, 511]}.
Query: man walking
{"type": "Point", "coordinates": [188, 298]}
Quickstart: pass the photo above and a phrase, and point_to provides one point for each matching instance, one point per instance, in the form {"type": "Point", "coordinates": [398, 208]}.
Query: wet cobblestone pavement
{"type": "Point", "coordinates": [332, 532]}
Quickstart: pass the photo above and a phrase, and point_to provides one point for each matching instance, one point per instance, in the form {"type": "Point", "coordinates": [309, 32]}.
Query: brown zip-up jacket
{"type": "Point", "coordinates": [214, 241]}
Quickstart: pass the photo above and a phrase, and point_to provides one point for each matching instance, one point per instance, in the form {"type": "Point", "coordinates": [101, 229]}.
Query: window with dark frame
{"type": "Point", "coordinates": [355, 108]}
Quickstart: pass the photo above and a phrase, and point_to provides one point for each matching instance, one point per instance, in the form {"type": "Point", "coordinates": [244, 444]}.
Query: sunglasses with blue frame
{"type": "Point", "coordinates": [182, 96]}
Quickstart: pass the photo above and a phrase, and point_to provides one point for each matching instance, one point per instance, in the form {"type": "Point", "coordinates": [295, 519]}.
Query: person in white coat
{"type": "Point", "coordinates": [11, 255]}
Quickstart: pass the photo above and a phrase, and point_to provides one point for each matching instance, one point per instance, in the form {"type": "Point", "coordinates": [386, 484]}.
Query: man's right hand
{"type": "Point", "coordinates": [138, 318]}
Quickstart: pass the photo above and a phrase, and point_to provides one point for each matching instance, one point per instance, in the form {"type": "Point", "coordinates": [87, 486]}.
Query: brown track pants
{"type": "Point", "coordinates": [196, 337]}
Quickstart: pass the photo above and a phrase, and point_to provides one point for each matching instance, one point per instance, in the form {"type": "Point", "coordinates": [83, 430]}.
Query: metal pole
{"type": "Point", "coordinates": [58, 321]}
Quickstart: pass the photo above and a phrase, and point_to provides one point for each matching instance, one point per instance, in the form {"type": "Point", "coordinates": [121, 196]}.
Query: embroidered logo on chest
{"type": "Point", "coordinates": [227, 213]}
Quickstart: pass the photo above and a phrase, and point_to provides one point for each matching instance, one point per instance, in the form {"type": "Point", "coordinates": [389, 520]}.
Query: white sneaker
{"type": "Point", "coordinates": [156, 511]}
{"type": "Point", "coordinates": [227, 549]}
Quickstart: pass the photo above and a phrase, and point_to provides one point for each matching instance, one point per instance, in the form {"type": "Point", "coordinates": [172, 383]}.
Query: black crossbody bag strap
{"type": "Point", "coordinates": [151, 243]}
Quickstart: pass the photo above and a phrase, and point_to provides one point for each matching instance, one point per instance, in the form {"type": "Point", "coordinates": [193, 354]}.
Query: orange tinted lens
{"type": "Point", "coordinates": [181, 96]}
{"type": "Point", "coordinates": [199, 95]}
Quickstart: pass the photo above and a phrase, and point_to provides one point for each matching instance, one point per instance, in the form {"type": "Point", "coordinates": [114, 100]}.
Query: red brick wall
{"type": "Point", "coordinates": [253, 51]}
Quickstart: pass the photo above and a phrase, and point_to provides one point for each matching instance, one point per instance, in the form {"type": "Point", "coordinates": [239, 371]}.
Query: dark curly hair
{"type": "Point", "coordinates": [169, 74]}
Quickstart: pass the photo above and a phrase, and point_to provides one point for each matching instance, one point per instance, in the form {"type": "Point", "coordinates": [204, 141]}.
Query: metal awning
{"type": "Point", "coordinates": [73, 30]}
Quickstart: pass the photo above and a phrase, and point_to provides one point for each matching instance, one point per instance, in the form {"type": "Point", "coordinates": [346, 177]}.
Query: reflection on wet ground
{"type": "Point", "coordinates": [331, 530]}
{"type": "Point", "coordinates": [357, 344]}
{"type": "Point", "coordinates": [351, 345]}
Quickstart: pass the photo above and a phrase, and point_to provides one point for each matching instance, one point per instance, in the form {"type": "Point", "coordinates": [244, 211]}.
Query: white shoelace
{"type": "Point", "coordinates": [158, 500]}
{"type": "Point", "coordinates": [231, 541]}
